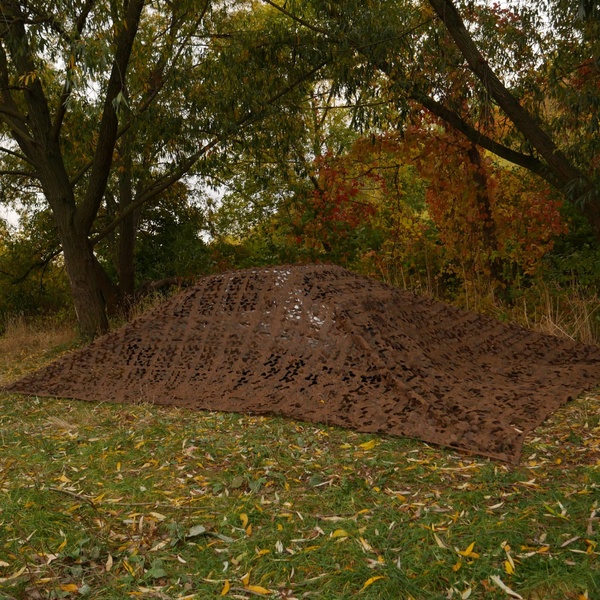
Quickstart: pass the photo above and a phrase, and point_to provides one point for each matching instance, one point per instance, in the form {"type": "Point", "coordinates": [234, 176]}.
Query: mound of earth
{"type": "Point", "coordinates": [321, 344]}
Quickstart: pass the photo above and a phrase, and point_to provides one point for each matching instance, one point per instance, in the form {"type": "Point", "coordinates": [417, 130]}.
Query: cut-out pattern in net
{"type": "Point", "coordinates": [321, 344]}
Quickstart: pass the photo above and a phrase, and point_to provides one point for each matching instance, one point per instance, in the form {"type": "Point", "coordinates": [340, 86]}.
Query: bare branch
{"type": "Point", "coordinates": [15, 154]}
{"type": "Point", "coordinates": [19, 173]}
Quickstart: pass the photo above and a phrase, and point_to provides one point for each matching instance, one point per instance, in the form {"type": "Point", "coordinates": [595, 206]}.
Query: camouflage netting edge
{"type": "Point", "coordinates": [321, 344]}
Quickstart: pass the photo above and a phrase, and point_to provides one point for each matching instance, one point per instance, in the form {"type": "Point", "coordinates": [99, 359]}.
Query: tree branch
{"type": "Point", "coordinates": [457, 122]}
{"type": "Point", "coordinates": [17, 172]}
{"type": "Point", "coordinates": [168, 180]}
{"type": "Point", "coordinates": [15, 154]}
{"type": "Point", "coordinates": [565, 173]}
{"type": "Point", "coordinates": [66, 93]}
{"type": "Point", "coordinates": [9, 111]}
{"type": "Point", "coordinates": [109, 124]}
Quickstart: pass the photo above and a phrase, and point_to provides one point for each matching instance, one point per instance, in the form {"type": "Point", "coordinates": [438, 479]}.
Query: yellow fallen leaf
{"type": "Point", "coordinates": [508, 567]}
{"type": "Point", "coordinates": [249, 530]}
{"type": "Point", "coordinates": [457, 566]}
{"type": "Point", "coordinates": [262, 552]}
{"type": "Point", "coordinates": [346, 446]}
{"type": "Point", "coordinates": [339, 533]}
{"type": "Point", "coordinates": [367, 547]}
{"type": "Point", "coordinates": [62, 545]}
{"type": "Point", "coordinates": [64, 479]}
{"type": "Point", "coordinates": [468, 551]}
{"type": "Point", "coordinates": [69, 587]}
{"type": "Point", "coordinates": [14, 575]}
{"type": "Point", "coordinates": [157, 516]}
{"type": "Point", "coordinates": [226, 588]}
{"type": "Point", "coordinates": [129, 568]}
{"type": "Point", "coordinates": [118, 466]}
{"type": "Point", "coordinates": [368, 445]}
{"type": "Point", "coordinates": [244, 520]}
{"type": "Point", "coordinates": [245, 579]}
{"type": "Point", "coordinates": [257, 589]}
{"type": "Point", "coordinates": [371, 581]}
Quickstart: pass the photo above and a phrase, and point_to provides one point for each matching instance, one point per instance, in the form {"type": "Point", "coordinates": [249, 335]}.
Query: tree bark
{"type": "Point", "coordinates": [82, 268]}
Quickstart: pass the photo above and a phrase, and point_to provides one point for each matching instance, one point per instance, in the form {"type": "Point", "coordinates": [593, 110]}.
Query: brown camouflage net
{"type": "Point", "coordinates": [321, 344]}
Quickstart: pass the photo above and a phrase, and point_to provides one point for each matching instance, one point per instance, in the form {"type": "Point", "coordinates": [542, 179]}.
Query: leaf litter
{"type": "Point", "coordinates": [144, 502]}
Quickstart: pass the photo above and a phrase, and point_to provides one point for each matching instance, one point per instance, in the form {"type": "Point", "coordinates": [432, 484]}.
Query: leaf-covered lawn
{"type": "Point", "coordinates": [107, 501]}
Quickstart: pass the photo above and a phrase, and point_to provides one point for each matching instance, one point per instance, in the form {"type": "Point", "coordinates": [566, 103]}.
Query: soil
{"type": "Point", "coordinates": [321, 344]}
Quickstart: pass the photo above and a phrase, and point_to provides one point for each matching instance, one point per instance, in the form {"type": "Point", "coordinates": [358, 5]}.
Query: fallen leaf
{"type": "Point", "coordinates": [14, 575]}
{"type": "Point", "coordinates": [129, 568]}
{"type": "Point", "coordinates": [469, 551]}
{"type": "Point", "coordinates": [196, 530]}
{"type": "Point", "coordinates": [339, 533]}
{"type": "Point", "coordinates": [504, 587]}
{"type": "Point", "coordinates": [244, 520]}
{"type": "Point", "coordinates": [257, 589]}
{"type": "Point", "coordinates": [367, 547]}
{"type": "Point", "coordinates": [369, 445]}
{"type": "Point", "coordinates": [69, 587]}
{"type": "Point", "coordinates": [371, 581]}
{"type": "Point", "coordinates": [226, 588]}
{"type": "Point", "coordinates": [157, 516]}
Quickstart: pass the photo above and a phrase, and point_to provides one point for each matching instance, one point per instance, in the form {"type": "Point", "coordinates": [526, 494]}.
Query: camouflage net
{"type": "Point", "coordinates": [321, 344]}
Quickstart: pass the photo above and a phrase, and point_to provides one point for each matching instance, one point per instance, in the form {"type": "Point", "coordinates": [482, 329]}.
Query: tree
{"type": "Point", "coordinates": [103, 139]}
{"type": "Point", "coordinates": [497, 81]}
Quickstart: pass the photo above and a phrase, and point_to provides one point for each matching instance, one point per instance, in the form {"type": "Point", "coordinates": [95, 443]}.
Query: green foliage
{"type": "Point", "coordinates": [32, 280]}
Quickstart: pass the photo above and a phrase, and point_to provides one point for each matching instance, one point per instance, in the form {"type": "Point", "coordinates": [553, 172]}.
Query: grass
{"type": "Point", "coordinates": [107, 501]}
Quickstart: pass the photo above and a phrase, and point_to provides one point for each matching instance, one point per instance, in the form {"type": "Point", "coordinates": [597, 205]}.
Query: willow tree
{"type": "Point", "coordinates": [106, 104]}
{"type": "Point", "coordinates": [55, 58]}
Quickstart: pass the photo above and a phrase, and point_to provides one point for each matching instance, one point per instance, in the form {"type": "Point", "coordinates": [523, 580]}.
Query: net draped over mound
{"type": "Point", "coordinates": [321, 344]}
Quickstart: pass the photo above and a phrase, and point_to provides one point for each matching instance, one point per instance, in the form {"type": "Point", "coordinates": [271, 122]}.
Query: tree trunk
{"type": "Point", "coordinates": [87, 279]}
{"type": "Point", "coordinates": [82, 268]}
{"type": "Point", "coordinates": [488, 225]}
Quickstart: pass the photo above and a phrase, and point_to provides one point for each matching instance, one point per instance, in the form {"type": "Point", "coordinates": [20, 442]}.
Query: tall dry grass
{"type": "Point", "coordinates": [27, 342]}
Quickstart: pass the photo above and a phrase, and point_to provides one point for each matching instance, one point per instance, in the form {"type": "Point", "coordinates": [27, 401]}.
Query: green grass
{"type": "Point", "coordinates": [112, 501]}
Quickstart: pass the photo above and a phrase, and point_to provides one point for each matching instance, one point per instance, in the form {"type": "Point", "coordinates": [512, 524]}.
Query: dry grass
{"type": "Point", "coordinates": [571, 315]}
{"type": "Point", "coordinates": [26, 342]}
